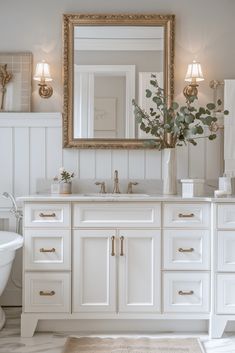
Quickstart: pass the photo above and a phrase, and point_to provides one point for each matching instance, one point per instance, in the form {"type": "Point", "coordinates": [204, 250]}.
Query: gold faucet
{"type": "Point", "coordinates": [116, 183]}
{"type": "Point", "coordinates": [102, 187]}
{"type": "Point", "coordinates": [129, 188]}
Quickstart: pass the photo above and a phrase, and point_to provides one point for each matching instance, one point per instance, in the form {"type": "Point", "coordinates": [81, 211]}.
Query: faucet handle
{"type": "Point", "coordinates": [129, 188]}
{"type": "Point", "coordinates": [102, 186]}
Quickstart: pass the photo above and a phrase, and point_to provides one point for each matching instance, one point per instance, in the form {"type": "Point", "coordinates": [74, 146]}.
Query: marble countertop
{"type": "Point", "coordinates": [119, 198]}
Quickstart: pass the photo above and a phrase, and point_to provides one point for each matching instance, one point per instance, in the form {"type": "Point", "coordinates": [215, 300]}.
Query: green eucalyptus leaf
{"type": "Point", "coordinates": [194, 130]}
{"type": "Point", "coordinates": [226, 112]}
{"type": "Point", "coordinates": [142, 126]}
{"type": "Point", "coordinates": [189, 119]}
{"type": "Point", "coordinates": [153, 83]}
{"type": "Point", "coordinates": [157, 100]}
{"type": "Point", "coordinates": [200, 130]}
{"type": "Point", "coordinates": [210, 106]}
{"type": "Point", "coordinates": [219, 102]}
{"type": "Point", "coordinates": [175, 105]}
{"type": "Point", "coordinates": [212, 137]}
{"type": "Point", "coordinates": [148, 93]}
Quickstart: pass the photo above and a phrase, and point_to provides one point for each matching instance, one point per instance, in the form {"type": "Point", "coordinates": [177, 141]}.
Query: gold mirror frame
{"type": "Point", "coordinates": [72, 20]}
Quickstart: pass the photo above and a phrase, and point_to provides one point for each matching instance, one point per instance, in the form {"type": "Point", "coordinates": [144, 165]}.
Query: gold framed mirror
{"type": "Point", "coordinates": [107, 62]}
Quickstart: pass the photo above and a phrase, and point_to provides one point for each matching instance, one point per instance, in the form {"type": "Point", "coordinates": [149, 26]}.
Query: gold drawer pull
{"type": "Point", "coordinates": [47, 250]}
{"type": "Point", "coordinates": [122, 241]}
{"type": "Point", "coordinates": [113, 245]}
{"type": "Point", "coordinates": [189, 215]}
{"type": "Point", "coordinates": [186, 250]}
{"type": "Point", "coordinates": [191, 292]}
{"type": "Point", "coordinates": [47, 293]}
{"type": "Point", "coordinates": [47, 215]}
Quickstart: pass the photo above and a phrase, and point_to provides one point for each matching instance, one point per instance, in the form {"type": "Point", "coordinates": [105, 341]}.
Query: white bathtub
{"type": "Point", "coordinates": [9, 243]}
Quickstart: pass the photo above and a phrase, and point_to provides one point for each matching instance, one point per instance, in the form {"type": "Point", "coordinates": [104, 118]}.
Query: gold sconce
{"type": "Point", "coordinates": [42, 74]}
{"type": "Point", "coordinates": [193, 75]}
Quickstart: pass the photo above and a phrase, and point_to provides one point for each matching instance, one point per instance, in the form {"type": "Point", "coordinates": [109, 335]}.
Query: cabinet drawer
{"type": "Point", "coordinates": [47, 249]}
{"type": "Point", "coordinates": [47, 215]}
{"type": "Point", "coordinates": [186, 249]}
{"type": "Point", "coordinates": [186, 292]}
{"type": "Point", "coordinates": [117, 215]}
{"type": "Point", "coordinates": [196, 215]}
{"type": "Point", "coordinates": [226, 250]}
{"type": "Point", "coordinates": [226, 294]}
{"type": "Point", "coordinates": [47, 292]}
{"type": "Point", "coordinates": [226, 216]}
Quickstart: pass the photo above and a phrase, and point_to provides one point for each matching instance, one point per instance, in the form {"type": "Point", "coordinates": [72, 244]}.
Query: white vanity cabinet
{"type": "Point", "coordinates": [223, 308]}
{"type": "Point", "coordinates": [120, 259]}
{"type": "Point", "coordinates": [116, 269]}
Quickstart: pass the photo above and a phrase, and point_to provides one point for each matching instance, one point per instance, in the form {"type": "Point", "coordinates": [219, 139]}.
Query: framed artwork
{"type": "Point", "coordinates": [15, 81]}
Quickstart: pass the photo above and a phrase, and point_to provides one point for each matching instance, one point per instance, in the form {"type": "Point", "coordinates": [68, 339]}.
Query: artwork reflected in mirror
{"type": "Point", "coordinates": [112, 64]}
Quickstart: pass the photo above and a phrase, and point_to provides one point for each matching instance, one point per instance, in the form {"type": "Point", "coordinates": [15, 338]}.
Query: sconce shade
{"type": "Point", "coordinates": [194, 73]}
{"type": "Point", "coordinates": [42, 72]}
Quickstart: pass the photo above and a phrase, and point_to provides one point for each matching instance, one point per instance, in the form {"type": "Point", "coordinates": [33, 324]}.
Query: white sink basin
{"type": "Point", "coordinates": [115, 195]}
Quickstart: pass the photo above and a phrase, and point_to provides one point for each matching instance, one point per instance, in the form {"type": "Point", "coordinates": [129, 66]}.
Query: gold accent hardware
{"type": "Point", "coordinates": [129, 188]}
{"type": "Point", "coordinates": [122, 241]}
{"type": "Point", "coordinates": [182, 215]}
{"type": "Point", "coordinates": [116, 189]}
{"type": "Point", "coordinates": [113, 245]}
{"type": "Point", "coordinates": [191, 292]}
{"type": "Point", "coordinates": [102, 186]}
{"type": "Point", "coordinates": [47, 293]}
{"type": "Point", "coordinates": [47, 214]}
{"type": "Point", "coordinates": [186, 250]}
{"type": "Point", "coordinates": [47, 250]}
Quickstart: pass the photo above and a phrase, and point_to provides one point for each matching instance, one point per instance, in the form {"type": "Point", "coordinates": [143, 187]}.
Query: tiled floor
{"type": "Point", "coordinates": [11, 342]}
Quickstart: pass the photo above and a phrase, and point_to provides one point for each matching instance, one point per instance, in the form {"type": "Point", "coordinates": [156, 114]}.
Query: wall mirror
{"type": "Point", "coordinates": [108, 61]}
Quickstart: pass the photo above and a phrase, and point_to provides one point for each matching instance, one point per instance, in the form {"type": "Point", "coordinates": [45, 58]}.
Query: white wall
{"type": "Point", "coordinates": [204, 30]}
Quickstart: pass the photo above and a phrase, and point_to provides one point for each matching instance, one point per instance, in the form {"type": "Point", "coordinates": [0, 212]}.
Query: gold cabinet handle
{"type": "Point", "coordinates": [122, 241]}
{"type": "Point", "coordinates": [186, 250]}
{"type": "Point", "coordinates": [187, 215]}
{"type": "Point", "coordinates": [191, 292]}
{"type": "Point", "coordinates": [47, 293]}
{"type": "Point", "coordinates": [42, 215]}
{"type": "Point", "coordinates": [113, 246]}
{"type": "Point", "coordinates": [47, 250]}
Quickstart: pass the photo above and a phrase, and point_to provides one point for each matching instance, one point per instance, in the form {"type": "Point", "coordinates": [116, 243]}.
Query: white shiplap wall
{"type": "Point", "coordinates": [31, 150]}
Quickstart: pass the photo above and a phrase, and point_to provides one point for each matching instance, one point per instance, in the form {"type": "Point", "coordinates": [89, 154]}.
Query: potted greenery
{"type": "Point", "coordinates": [65, 179]}
{"type": "Point", "coordinates": [173, 125]}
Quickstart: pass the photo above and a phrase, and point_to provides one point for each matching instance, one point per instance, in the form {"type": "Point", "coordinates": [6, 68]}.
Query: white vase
{"type": "Point", "coordinates": [169, 171]}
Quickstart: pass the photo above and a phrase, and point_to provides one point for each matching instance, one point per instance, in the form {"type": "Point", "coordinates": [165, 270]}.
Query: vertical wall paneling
{"type": "Point", "coordinates": [120, 162]}
{"type": "Point", "coordinates": [182, 158]}
{"type": "Point", "coordinates": [214, 164]}
{"type": "Point", "coordinates": [197, 159]}
{"type": "Point", "coordinates": [136, 164]}
{"type": "Point", "coordinates": [21, 161]}
{"type": "Point", "coordinates": [70, 161]}
{"type": "Point", "coordinates": [37, 152]}
{"type": "Point", "coordinates": [103, 164]}
{"type": "Point", "coordinates": [153, 164]}
{"type": "Point", "coordinates": [87, 164]}
{"type": "Point", "coordinates": [6, 162]}
{"type": "Point", "coordinates": [53, 151]}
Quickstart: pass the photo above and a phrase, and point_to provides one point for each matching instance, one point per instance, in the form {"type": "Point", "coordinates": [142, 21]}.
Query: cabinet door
{"type": "Point", "coordinates": [139, 270]}
{"type": "Point", "coordinates": [94, 271]}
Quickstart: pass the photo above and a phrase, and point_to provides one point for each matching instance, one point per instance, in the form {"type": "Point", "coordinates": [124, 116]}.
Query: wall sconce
{"type": "Point", "coordinates": [193, 75]}
{"type": "Point", "coordinates": [42, 74]}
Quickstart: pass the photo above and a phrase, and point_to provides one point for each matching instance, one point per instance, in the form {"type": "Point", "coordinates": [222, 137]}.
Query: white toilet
{"type": "Point", "coordinates": [9, 243]}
